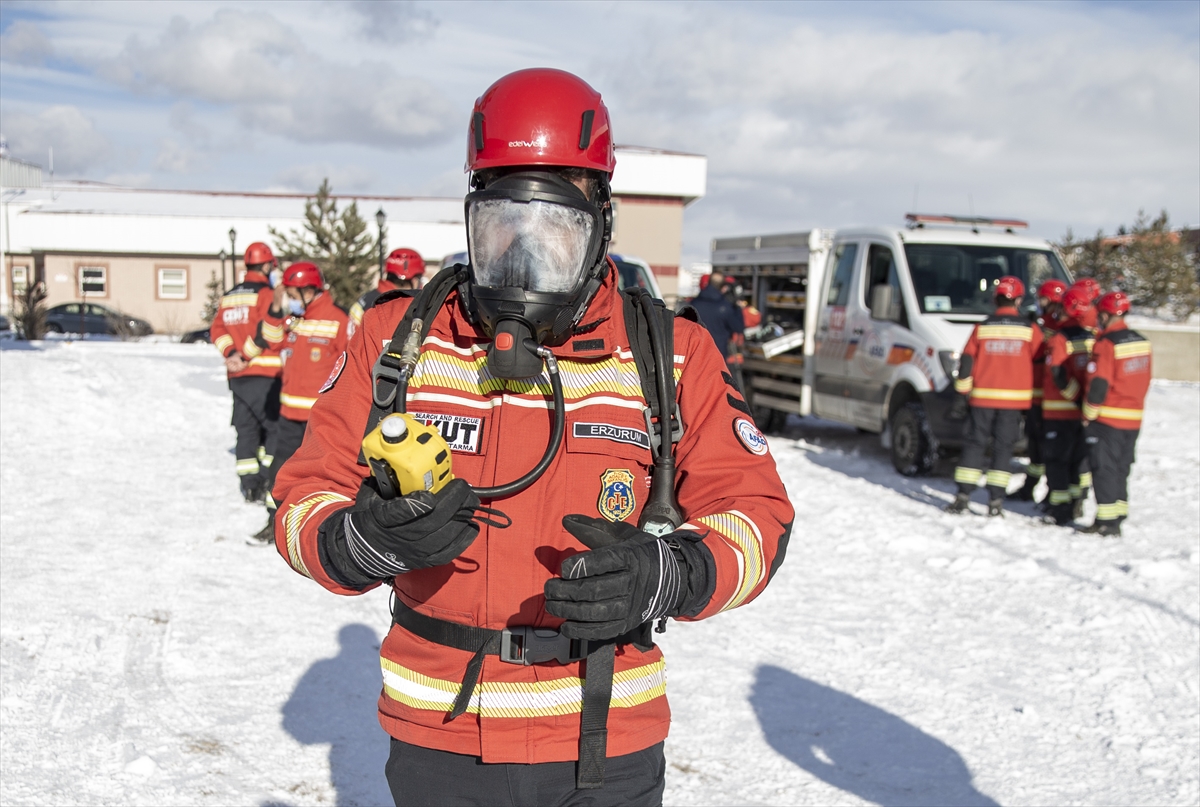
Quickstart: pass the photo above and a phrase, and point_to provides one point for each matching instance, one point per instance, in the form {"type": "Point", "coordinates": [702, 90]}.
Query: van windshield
{"type": "Point", "coordinates": [959, 278]}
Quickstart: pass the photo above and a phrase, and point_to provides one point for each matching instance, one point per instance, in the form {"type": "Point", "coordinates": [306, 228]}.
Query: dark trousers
{"type": "Point", "coordinates": [1066, 460]}
{"type": "Point", "coordinates": [289, 434]}
{"type": "Point", "coordinates": [424, 776]}
{"type": "Point", "coordinates": [1111, 452]}
{"type": "Point", "coordinates": [255, 413]}
{"type": "Point", "coordinates": [1000, 427]}
{"type": "Point", "coordinates": [1033, 435]}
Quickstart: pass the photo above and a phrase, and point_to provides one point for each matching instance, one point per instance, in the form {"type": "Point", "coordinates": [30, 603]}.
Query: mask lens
{"type": "Point", "coordinates": [536, 246]}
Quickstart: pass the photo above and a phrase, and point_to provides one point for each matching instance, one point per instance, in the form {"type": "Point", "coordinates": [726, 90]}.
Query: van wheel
{"type": "Point", "coordinates": [914, 449]}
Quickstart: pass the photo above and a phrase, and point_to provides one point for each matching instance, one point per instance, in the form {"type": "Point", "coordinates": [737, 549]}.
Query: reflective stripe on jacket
{"type": "Point", "coordinates": [996, 369]}
{"type": "Point", "coordinates": [727, 487]}
{"type": "Point", "coordinates": [1118, 377]}
{"type": "Point", "coordinates": [237, 326]}
{"type": "Point", "coordinates": [311, 346]}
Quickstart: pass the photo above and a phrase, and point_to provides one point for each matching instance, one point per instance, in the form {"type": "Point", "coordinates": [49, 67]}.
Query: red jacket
{"type": "Point", "coordinates": [996, 368]}
{"type": "Point", "coordinates": [364, 303]}
{"type": "Point", "coordinates": [1066, 372]}
{"type": "Point", "coordinates": [238, 326]}
{"type": "Point", "coordinates": [1118, 377]}
{"type": "Point", "coordinates": [1049, 327]}
{"type": "Point", "coordinates": [727, 487]}
{"type": "Point", "coordinates": [310, 345]}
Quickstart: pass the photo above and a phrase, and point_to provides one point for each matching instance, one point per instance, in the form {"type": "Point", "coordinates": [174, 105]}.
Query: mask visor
{"type": "Point", "coordinates": [537, 246]}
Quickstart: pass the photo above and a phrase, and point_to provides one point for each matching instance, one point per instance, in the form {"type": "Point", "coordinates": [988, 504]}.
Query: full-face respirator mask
{"type": "Point", "coordinates": [537, 249]}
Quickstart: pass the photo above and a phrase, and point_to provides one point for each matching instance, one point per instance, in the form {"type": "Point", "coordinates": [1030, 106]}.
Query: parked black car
{"type": "Point", "coordinates": [193, 337]}
{"type": "Point", "coordinates": [92, 318]}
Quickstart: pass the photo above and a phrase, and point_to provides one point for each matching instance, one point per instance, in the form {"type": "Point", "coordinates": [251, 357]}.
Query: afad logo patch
{"type": "Point", "coordinates": [750, 437]}
{"type": "Point", "coordinates": [338, 366]}
{"type": "Point", "coordinates": [616, 494]}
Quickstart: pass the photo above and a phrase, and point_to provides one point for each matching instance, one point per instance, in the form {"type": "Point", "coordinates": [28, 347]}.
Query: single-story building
{"type": "Point", "coordinates": [151, 253]}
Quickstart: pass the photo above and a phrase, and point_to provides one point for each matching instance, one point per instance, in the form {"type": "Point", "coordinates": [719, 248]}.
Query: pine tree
{"type": "Point", "coordinates": [212, 302]}
{"type": "Point", "coordinates": [339, 243]}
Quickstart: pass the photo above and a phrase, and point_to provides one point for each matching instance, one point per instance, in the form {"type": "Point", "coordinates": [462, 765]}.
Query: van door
{"type": "Point", "coordinates": [833, 337]}
{"type": "Point", "coordinates": [880, 336]}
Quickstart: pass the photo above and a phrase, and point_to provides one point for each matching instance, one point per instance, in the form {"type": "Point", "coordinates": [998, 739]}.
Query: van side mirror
{"type": "Point", "coordinates": [881, 302]}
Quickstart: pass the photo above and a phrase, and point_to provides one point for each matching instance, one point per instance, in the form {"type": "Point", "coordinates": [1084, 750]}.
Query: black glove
{"type": "Point", "coordinates": [958, 408]}
{"type": "Point", "coordinates": [379, 538]}
{"type": "Point", "coordinates": [629, 577]}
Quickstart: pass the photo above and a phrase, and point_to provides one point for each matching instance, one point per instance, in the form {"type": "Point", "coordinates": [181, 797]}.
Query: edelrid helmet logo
{"type": "Point", "coordinates": [539, 143]}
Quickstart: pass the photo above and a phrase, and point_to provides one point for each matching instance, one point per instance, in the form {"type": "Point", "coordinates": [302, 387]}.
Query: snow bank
{"type": "Point", "coordinates": [900, 656]}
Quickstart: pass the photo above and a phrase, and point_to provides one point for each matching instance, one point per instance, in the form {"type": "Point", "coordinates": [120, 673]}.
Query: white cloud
{"type": "Point", "coordinates": [390, 21]}
{"type": "Point", "coordinates": [24, 43]}
{"type": "Point", "coordinates": [78, 147]}
{"type": "Point", "coordinates": [307, 178]}
{"type": "Point", "coordinates": [257, 65]}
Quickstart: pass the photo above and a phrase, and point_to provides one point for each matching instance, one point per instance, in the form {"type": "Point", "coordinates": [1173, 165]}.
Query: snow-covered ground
{"type": "Point", "coordinates": [901, 656]}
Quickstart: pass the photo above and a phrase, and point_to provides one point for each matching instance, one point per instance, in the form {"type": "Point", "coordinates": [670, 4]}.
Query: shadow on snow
{"type": "Point", "coordinates": [857, 747]}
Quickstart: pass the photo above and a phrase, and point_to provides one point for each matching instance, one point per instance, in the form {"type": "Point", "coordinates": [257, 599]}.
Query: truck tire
{"type": "Point", "coordinates": [914, 448]}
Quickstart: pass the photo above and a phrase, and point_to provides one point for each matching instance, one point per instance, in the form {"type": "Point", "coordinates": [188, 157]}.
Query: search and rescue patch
{"type": "Point", "coordinates": [616, 494]}
{"type": "Point", "coordinates": [617, 434]}
{"type": "Point", "coordinates": [750, 437]}
{"type": "Point", "coordinates": [338, 366]}
{"type": "Point", "coordinates": [460, 432]}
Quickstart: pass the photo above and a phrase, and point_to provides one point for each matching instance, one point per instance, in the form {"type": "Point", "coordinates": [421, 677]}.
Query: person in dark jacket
{"type": "Point", "coordinates": [722, 318]}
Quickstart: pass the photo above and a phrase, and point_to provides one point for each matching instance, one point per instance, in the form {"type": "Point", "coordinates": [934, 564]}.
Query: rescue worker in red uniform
{"type": "Point", "coordinates": [1118, 378]}
{"type": "Point", "coordinates": [253, 368]}
{"type": "Point", "coordinates": [480, 707]}
{"type": "Point", "coordinates": [402, 270]}
{"type": "Point", "coordinates": [1092, 292]}
{"type": "Point", "coordinates": [1050, 296]}
{"type": "Point", "coordinates": [1066, 374]}
{"type": "Point", "coordinates": [996, 375]}
{"type": "Point", "coordinates": [311, 335]}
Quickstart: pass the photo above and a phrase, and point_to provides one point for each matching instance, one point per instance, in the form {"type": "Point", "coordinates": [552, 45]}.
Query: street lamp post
{"type": "Point", "coordinates": [380, 218]}
{"type": "Point", "coordinates": [232, 255]}
{"type": "Point", "coordinates": [222, 256]}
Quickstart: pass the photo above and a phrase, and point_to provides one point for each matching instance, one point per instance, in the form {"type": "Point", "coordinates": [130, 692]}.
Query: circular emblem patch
{"type": "Point", "coordinates": [616, 494]}
{"type": "Point", "coordinates": [751, 438]}
{"type": "Point", "coordinates": [1091, 367]}
{"type": "Point", "coordinates": [338, 366]}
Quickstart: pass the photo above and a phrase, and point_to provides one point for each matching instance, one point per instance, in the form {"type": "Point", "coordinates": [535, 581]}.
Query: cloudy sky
{"type": "Point", "coordinates": [811, 114]}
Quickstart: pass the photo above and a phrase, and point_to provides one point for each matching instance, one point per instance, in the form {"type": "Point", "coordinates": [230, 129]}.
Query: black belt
{"type": "Point", "coordinates": [528, 645]}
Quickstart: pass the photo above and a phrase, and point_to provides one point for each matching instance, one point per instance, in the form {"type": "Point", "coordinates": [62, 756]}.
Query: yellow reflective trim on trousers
{"type": "Point", "coordinates": [270, 501]}
{"type": "Point", "coordinates": [1117, 413]}
{"type": "Point", "coordinates": [296, 401]}
{"type": "Point", "coordinates": [247, 467]}
{"type": "Point", "coordinates": [998, 479]}
{"type": "Point", "coordinates": [1108, 512]}
{"type": "Point", "coordinates": [267, 460]}
{"type": "Point", "coordinates": [1023, 396]}
{"type": "Point", "coordinates": [1124, 507]}
{"type": "Point", "coordinates": [1085, 479]}
{"type": "Point", "coordinates": [1019, 332]}
{"type": "Point", "coordinates": [1076, 492]}
{"type": "Point", "coordinates": [967, 476]}
{"type": "Point", "coordinates": [963, 385]}
{"type": "Point", "coordinates": [1060, 497]}
{"type": "Point", "coordinates": [562, 696]}
{"type": "Point", "coordinates": [1130, 350]}
{"type": "Point", "coordinates": [1036, 470]}
{"type": "Point", "coordinates": [1059, 406]}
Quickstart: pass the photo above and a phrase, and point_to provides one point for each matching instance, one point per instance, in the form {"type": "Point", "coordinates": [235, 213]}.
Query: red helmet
{"type": "Point", "coordinates": [540, 116]}
{"type": "Point", "coordinates": [704, 281]}
{"type": "Point", "coordinates": [1090, 286]}
{"type": "Point", "coordinates": [404, 264]}
{"type": "Point", "coordinates": [1076, 302]}
{"type": "Point", "coordinates": [1010, 287]}
{"type": "Point", "coordinates": [258, 253]}
{"type": "Point", "coordinates": [1053, 290]}
{"type": "Point", "coordinates": [303, 275]}
{"type": "Point", "coordinates": [1115, 302]}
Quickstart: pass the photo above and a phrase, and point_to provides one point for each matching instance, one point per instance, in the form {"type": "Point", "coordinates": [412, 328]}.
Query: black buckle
{"type": "Point", "coordinates": [386, 369]}
{"type": "Point", "coordinates": [527, 645]}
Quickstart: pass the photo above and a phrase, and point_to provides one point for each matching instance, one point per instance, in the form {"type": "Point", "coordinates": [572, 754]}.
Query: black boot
{"type": "Point", "coordinates": [1104, 528]}
{"type": "Point", "coordinates": [1076, 509]}
{"type": "Point", "coordinates": [253, 488]}
{"type": "Point", "coordinates": [1059, 515]}
{"type": "Point", "coordinates": [959, 505]}
{"type": "Point", "coordinates": [265, 536]}
{"type": "Point", "coordinates": [996, 507]}
{"type": "Point", "coordinates": [1025, 494]}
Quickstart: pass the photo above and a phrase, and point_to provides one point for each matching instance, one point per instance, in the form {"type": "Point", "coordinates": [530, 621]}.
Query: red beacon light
{"type": "Point", "coordinates": [916, 221]}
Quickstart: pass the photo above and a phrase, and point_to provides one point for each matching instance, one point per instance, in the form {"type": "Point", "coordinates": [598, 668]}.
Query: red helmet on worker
{"type": "Point", "coordinates": [303, 275]}
{"type": "Point", "coordinates": [1076, 302]}
{"type": "Point", "coordinates": [258, 254]}
{"type": "Point", "coordinates": [1090, 287]}
{"type": "Point", "coordinates": [1052, 290]}
{"type": "Point", "coordinates": [1115, 303]}
{"type": "Point", "coordinates": [404, 264]}
{"type": "Point", "coordinates": [1010, 288]}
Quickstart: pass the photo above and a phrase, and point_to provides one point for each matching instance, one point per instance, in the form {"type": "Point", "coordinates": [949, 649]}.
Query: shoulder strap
{"type": "Point", "coordinates": [640, 344]}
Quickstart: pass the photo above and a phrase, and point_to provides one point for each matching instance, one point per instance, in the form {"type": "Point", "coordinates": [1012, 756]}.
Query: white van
{"type": "Point", "coordinates": [865, 325]}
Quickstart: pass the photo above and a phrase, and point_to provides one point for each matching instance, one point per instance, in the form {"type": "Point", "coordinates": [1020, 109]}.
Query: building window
{"type": "Point", "coordinates": [93, 280]}
{"type": "Point", "coordinates": [172, 283]}
{"type": "Point", "coordinates": [20, 280]}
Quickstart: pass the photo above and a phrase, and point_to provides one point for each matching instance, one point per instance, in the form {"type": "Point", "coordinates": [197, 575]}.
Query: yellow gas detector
{"type": "Point", "coordinates": [405, 456]}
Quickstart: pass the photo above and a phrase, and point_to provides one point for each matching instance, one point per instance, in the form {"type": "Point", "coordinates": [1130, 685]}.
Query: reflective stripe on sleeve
{"type": "Point", "coordinates": [1071, 390]}
{"type": "Point", "coordinates": [223, 342]}
{"type": "Point", "coordinates": [560, 696]}
{"type": "Point", "coordinates": [964, 385]}
{"type": "Point", "coordinates": [1116, 413]}
{"type": "Point", "coordinates": [742, 535]}
{"type": "Point", "coordinates": [1090, 411]}
{"type": "Point", "coordinates": [296, 517]}
{"type": "Point", "coordinates": [272, 333]}
{"type": "Point", "coordinates": [249, 349]}
{"type": "Point", "coordinates": [296, 401]}
{"type": "Point", "coordinates": [1129, 350]}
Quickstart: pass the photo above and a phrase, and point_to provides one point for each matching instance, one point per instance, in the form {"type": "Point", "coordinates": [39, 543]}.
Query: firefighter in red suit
{"type": "Point", "coordinates": [310, 331]}
{"type": "Point", "coordinates": [253, 367]}
{"type": "Point", "coordinates": [1064, 448]}
{"type": "Point", "coordinates": [480, 708]}
{"type": "Point", "coordinates": [1050, 296]}
{"type": "Point", "coordinates": [1118, 378]}
{"type": "Point", "coordinates": [996, 375]}
{"type": "Point", "coordinates": [403, 269]}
